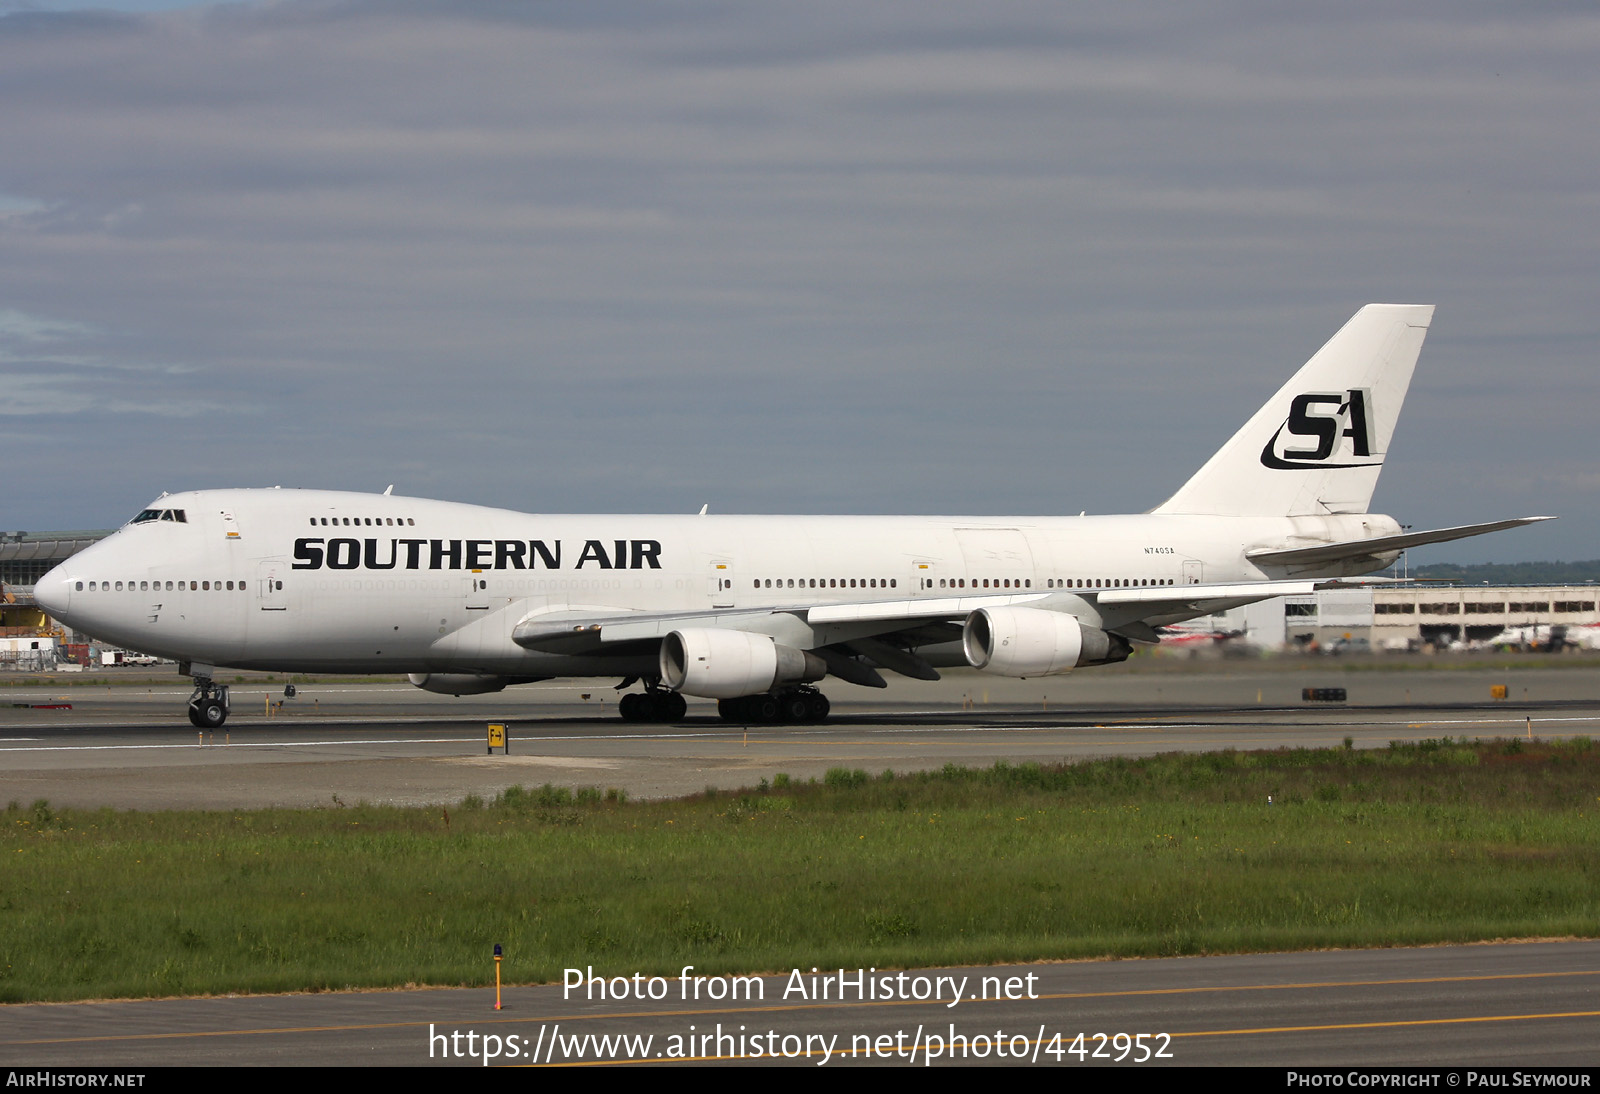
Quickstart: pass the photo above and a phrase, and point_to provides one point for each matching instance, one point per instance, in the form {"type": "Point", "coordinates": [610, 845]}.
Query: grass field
{"type": "Point", "coordinates": [1175, 854]}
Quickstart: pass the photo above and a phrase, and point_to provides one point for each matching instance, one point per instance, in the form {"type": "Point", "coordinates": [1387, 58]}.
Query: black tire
{"type": "Point", "coordinates": [731, 710]}
{"type": "Point", "coordinates": [210, 714]}
{"type": "Point", "coordinates": [763, 708]}
{"type": "Point", "coordinates": [818, 708]}
{"type": "Point", "coordinates": [194, 718]}
{"type": "Point", "coordinates": [670, 706]}
{"type": "Point", "coordinates": [795, 708]}
{"type": "Point", "coordinates": [630, 707]}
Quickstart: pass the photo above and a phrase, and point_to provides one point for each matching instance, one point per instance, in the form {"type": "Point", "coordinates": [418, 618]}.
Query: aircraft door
{"type": "Point", "coordinates": [721, 584]}
{"type": "Point", "coordinates": [478, 591]}
{"type": "Point", "coordinates": [269, 586]}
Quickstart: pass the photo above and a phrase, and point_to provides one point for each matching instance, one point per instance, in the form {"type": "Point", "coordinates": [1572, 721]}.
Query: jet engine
{"type": "Point", "coordinates": [719, 664]}
{"type": "Point", "coordinates": [1032, 642]}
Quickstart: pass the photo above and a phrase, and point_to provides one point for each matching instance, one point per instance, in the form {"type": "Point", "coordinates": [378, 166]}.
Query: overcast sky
{"type": "Point", "coordinates": [812, 257]}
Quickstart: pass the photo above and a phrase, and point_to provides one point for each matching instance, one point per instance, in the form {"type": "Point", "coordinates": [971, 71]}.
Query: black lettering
{"type": "Point", "coordinates": [593, 552]}
{"type": "Point", "coordinates": [343, 554]}
{"type": "Point", "coordinates": [1302, 423]}
{"type": "Point", "coordinates": [551, 561]}
{"type": "Point", "coordinates": [645, 551]}
{"type": "Point", "coordinates": [1359, 423]}
{"type": "Point", "coordinates": [438, 552]}
{"type": "Point", "coordinates": [413, 552]}
{"type": "Point", "coordinates": [308, 554]}
{"type": "Point", "coordinates": [372, 556]}
{"type": "Point", "coordinates": [508, 554]}
{"type": "Point", "coordinates": [478, 554]}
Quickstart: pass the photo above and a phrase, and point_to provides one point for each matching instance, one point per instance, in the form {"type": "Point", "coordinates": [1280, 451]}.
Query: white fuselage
{"type": "Point", "coordinates": [311, 580]}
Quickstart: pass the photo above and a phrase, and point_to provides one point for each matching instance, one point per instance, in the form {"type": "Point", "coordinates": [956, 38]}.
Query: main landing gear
{"type": "Point", "coordinates": [208, 706]}
{"type": "Point", "coordinates": [797, 705]}
{"type": "Point", "coordinates": [656, 704]}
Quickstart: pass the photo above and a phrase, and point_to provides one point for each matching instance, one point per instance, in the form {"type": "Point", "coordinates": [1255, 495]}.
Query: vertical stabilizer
{"type": "Point", "coordinates": [1319, 443]}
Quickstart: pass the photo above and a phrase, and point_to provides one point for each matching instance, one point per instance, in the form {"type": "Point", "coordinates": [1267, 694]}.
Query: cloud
{"type": "Point", "coordinates": [627, 256]}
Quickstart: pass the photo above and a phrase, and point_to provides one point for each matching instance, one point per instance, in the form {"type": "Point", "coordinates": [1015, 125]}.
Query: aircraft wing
{"type": "Point", "coordinates": [1323, 553]}
{"type": "Point", "coordinates": [1130, 611]}
{"type": "Point", "coordinates": [592, 630]}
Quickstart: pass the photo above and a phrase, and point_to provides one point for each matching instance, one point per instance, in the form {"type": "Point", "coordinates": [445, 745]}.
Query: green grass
{"type": "Point", "coordinates": [1174, 854]}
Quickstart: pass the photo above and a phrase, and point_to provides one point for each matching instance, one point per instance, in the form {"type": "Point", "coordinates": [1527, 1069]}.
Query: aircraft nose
{"type": "Point", "coordinates": [53, 592]}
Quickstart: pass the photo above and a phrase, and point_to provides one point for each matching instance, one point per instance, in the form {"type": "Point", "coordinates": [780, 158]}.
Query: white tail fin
{"type": "Point", "coordinates": [1319, 443]}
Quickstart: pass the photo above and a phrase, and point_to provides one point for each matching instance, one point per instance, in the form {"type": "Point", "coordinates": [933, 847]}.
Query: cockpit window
{"type": "Point", "coordinates": [160, 514]}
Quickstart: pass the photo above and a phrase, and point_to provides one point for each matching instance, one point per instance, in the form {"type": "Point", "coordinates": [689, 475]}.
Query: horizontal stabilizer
{"type": "Point", "coordinates": [1324, 553]}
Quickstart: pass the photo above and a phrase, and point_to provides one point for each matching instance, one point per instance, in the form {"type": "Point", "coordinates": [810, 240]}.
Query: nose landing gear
{"type": "Point", "coordinates": [208, 706]}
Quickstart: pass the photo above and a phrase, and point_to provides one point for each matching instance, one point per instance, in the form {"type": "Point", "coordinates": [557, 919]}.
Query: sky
{"type": "Point", "coordinates": [904, 257]}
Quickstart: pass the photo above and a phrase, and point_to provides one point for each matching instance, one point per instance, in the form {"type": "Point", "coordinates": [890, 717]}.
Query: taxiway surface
{"type": "Point", "coordinates": [127, 744]}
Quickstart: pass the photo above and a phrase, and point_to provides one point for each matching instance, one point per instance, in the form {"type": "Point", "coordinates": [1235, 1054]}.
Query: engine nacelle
{"type": "Point", "coordinates": [719, 664]}
{"type": "Point", "coordinates": [1033, 642]}
{"type": "Point", "coordinates": [457, 683]}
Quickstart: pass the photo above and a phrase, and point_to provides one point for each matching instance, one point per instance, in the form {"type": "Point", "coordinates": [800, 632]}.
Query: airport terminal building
{"type": "Point", "coordinates": [1417, 617]}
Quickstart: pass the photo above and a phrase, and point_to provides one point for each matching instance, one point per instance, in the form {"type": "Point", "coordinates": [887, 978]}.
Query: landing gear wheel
{"type": "Point", "coordinates": [208, 706]}
{"type": "Point", "coordinates": [655, 705]}
{"type": "Point", "coordinates": [668, 706]}
{"type": "Point", "coordinates": [795, 707]}
{"type": "Point", "coordinates": [817, 707]}
{"type": "Point", "coordinates": [208, 714]}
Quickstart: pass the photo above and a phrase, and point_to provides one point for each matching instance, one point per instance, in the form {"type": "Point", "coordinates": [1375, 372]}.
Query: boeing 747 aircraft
{"type": "Point", "coordinates": [753, 610]}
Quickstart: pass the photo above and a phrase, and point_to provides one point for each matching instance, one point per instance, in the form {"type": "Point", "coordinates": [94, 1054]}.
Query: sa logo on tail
{"type": "Point", "coordinates": [1350, 410]}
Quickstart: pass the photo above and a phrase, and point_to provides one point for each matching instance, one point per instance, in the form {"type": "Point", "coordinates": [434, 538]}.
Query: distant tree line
{"type": "Point", "coordinates": [1507, 573]}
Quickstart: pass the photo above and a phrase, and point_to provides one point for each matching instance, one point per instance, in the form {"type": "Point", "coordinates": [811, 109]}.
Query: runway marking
{"type": "Point", "coordinates": [840, 1005]}
{"type": "Point", "coordinates": [474, 739]}
{"type": "Point", "coordinates": [1245, 730]}
{"type": "Point", "coordinates": [252, 744]}
{"type": "Point", "coordinates": [1390, 1025]}
{"type": "Point", "coordinates": [1042, 1042]}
